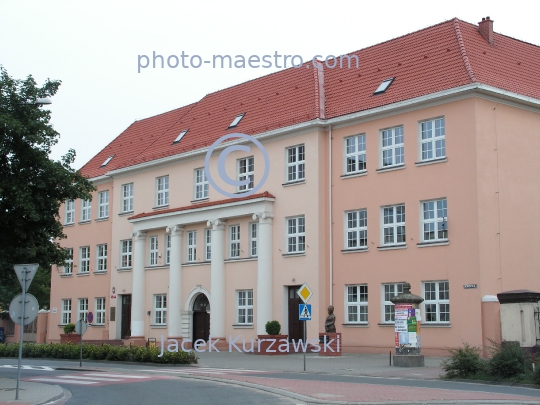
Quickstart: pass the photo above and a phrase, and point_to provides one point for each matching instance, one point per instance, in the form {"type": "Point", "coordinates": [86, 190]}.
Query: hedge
{"type": "Point", "coordinates": [95, 352]}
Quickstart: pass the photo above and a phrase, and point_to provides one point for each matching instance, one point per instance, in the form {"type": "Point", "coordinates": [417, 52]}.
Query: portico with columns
{"type": "Point", "coordinates": [183, 289]}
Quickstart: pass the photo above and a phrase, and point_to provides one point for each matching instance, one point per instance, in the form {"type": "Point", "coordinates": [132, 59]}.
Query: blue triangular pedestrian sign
{"type": "Point", "coordinates": [304, 312]}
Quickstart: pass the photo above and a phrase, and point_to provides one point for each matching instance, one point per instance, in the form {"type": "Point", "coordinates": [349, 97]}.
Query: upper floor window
{"type": "Point", "coordinates": [433, 144]}
{"type": "Point", "coordinates": [167, 249]}
{"type": "Point", "coordinates": [390, 291]}
{"type": "Point", "coordinates": [296, 235]}
{"type": "Point", "coordinates": [162, 191]}
{"type": "Point", "coordinates": [253, 237]}
{"type": "Point", "coordinates": [356, 226]}
{"type": "Point", "coordinates": [103, 200]}
{"type": "Point", "coordinates": [84, 259]}
{"type": "Point", "coordinates": [208, 244]}
{"type": "Point", "coordinates": [296, 163]}
{"type": "Point", "coordinates": [355, 154]}
{"type": "Point", "coordinates": [154, 251]}
{"type": "Point", "coordinates": [246, 170]}
{"type": "Point", "coordinates": [434, 220]}
{"type": "Point", "coordinates": [392, 149]}
{"type": "Point", "coordinates": [125, 253]}
{"type": "Point", "coordinates": [234, 241]}
{"type": "Point", "coordinates": [70, 212]}
{"type": "Point", "coordinates": [102, 257]}
{"type": "Point", "coordinates": [192, 246]}
{"type": "Point", "coordinates": [127, 197]}
{"type": "Point", "coordinates": [68, 265]}
{"type": "Point", "coordinates": [357, 303]}
{"type": "Point", "coordinates": [393, 225]}
{"type": "Point", "coordinates": [201, 184]}
{"type": "Point", "coordinates": [436, 301]}
{"type": "Point", "coordinates": [86, 209]}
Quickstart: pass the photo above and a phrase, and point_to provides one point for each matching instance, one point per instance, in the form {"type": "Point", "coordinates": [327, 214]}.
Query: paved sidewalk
{"type": "Point", "coordinates": [29, 392]}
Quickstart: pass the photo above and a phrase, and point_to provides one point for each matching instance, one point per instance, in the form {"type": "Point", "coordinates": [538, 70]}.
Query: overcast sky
{"type": "Point", "coordinates": [93, 48]}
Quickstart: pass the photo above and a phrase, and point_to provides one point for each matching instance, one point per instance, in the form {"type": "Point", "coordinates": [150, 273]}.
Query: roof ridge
{"type": "Point", "coordinates": [463, 51]}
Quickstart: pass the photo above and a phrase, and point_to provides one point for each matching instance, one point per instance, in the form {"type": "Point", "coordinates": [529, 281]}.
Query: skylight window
{"type": "Point", "coordinates": [180, 136]}
{"type": "Point", "coordinates": [107, 161]}
{"type": "Point", "coordinates": [237, 120]}
{"type": "Point", "coordinates": [384, 86]}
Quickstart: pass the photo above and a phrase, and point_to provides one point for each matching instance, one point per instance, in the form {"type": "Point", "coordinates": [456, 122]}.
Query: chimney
{"type": "Point", "coordinates": [486, 29]}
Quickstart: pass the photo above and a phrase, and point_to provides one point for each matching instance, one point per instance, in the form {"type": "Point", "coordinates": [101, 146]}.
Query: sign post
{"type": "Point", "coordinates": [80, 328]}
{"type": "Point", "coordinates": [304, 311]}
{"type": "Point", "coordinates": [25, 274]}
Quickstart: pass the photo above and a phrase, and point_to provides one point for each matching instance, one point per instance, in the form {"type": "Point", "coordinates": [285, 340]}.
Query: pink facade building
{"type": "Point", "coordinates": [416, 167]}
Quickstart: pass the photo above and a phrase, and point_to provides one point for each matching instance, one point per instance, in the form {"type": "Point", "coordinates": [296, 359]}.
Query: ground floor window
{"type": "Point", "coordinates": [100, 312]}
{"type": "Point", "coordinates": [245, 306]}
{"type": "Point", "coordinates": [390, 291]}
{"type": "Point", "coordinates": [160, 309]}
{"type": "Point", "coordinates": [436, 301]}
{"type": "Point", "coordinates": [66, 311]}
{"type": "Point", "coordinates": [356, 303]}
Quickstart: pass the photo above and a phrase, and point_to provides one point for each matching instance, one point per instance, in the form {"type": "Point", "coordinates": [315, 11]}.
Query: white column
{"type": "Point", "coordinates": [264, 271]}
{"type": "Point", "coordinates": [174, 305]}
{"type": "Point", "coordinates": [217, 279]}
{"type": "Point", "coordinates": [137, 291]}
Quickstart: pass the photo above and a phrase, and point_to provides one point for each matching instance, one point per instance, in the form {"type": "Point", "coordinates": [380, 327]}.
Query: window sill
{"type": "Point", "coordinates": [125, 213]}
{"type": "Point", "coordinates": [240, 326]}
{"type": "Point", "coordinates": [434, 325]}
{"type": "Point", "coordinates": [355, 325]}
{"type": "Point", "coordinates": [66, 275]}
{"type": "Point", "coordinates": [241, 259]}
{"type": "Point", "coordinates": [294, 254]}
{"type": "Point", "coordinates": [101, 219]}
{"type": "Point", "coordinates": [386, 324]}
{"type": "Point", "coordinates": [160, 207]}
{"type": "Point", "coordinates": [97, 325]}
{"type": "Point", "coordinates": [199, 200]}
{"type": "Point", "coordinates": [83, 274]}
{"type": "Point", "coordinates": [124, 269]}
{"type": "Point", "coordinates": [70, 224]}
{"type": "Point", "coordinates": [189, 264]}
{"type": "Point", "coordinates": [437, 243]}
{"type": "Point", "coordinates": [357, 250]}
{"type": "Point", "coordinates": [85, 222]}
{"type": "Point", "coordinates": [392, 247]}
{"type": "Point", "coordinates": [156, 267]}
{"type": "Point", "coordinates": [158, 326]}
{"type": "Point", "coordinates": [431, 162]}
{"type": "Point", "coordinates": [351, 175]}
{"type": "Point", "coordinates": [294, 183]}
{"type": "Point", "coordinates": [100, 272]}
{"type": "Point", "coordinates": [390, 168]}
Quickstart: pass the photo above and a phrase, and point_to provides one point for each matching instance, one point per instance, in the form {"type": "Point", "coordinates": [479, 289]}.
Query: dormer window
{"type": "Point", "coordinates": [237, 120]}
{"type": "Point", "coordinates": [384, 86]}
{"type": "Point", "coordinates": [107, 161]}
{"type": "Point", "coordinates": [180, 136]}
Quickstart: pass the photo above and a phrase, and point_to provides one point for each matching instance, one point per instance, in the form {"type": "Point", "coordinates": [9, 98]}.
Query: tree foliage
{"type": "Point", "coordinates": [32, 186]}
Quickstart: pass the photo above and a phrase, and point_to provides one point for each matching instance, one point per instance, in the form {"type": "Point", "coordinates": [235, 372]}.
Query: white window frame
{"type": "Point", "coordinates": [355, 229]}
{"type": "Point", "coordinates": [101, 258]}
{"type": "Point", "coordinates": [247, 172]}
{"type": "Point", "coordinates": [84, 259]}
{"type": "Point", "coordinates": [82, 309]}
{"type": "Point", "coordinates": [253, 239]}
{"type": "Point", "coordinates": [436, 293]}
{"type": "Point", "coordinates": [398, 221]}
{"type": "Point", "coordinates": [68, 266]}
{"type": "Point", "coordinates": [127, 197]}
{"type": "Point", "coordinates": [433, 140]}
{"type": "Point", "coordinates": [392, 147]}
{"type": "Point", "coordinates": [295, 158]}
{"type": "Point", "coordinates": [389, 290]}
{"type": "Point", "coordinates": [103, 204]}
{"type": "Point", "coordinates": [358, 307]}
{"type": "Point", "coordinates": [295, 242]}
{"type": "Point", "coordinates": [244, 307]}
{"type": "Point", "coordinates": [191, 240]}
{"type": "Point", "coordinates": [434, 214]}
{"type": "Point", "coordinates": [167, 248]}
{"type": "Point", "coordinates": [234, 241]}
{"type": "Point", "coordinates": [153, 250]}
{"type": "Point", "coordinates": [208, 244]}
{"type": "Point", "coordinates": [99, 307]}
{"type": "Point", "coordinates": [126, 249]}
{"type": "Point", "coordinates": [162, 191]}
{"type": "Point", "coordinates": [86, 210]}
{"type": "Point", "coordinates": [201, 184]}
{"type": "Point", "coordinates": [66, 311]}
{"type": "Point", "coordinates": [70, 212]}
{"type": "Point", "coordinates": [160, 309]}
{"type": "Point", "coordinates": [354, 151]}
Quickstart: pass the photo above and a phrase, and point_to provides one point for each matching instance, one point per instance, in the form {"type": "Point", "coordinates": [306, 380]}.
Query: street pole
{"type": "Point", "coordinates": [21, 331]}
{"type": "Point", "coordinates": [80, 348]}
{"type": "Point", "coordinates": [305, 338]}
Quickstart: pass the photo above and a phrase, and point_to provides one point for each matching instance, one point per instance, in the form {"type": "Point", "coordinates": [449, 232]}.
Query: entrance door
{"type": "Point", "coordinates": [126, 316]}
{"type": "Point", "coordinates": [296, 327]}
{"type": "Point", "coordinates": [201, 318]}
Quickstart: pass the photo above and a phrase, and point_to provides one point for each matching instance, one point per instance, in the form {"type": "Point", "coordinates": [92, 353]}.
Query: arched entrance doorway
{"type": "Point", "coordinates": [201, 318]}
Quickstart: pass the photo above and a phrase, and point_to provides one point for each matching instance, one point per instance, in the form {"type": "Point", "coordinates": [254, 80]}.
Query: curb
{"type": "Point", "coordinates": [56, 397]}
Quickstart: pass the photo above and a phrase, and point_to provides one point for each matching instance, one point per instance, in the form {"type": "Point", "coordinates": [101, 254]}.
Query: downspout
{"type": "Point", "coordinates": [331, 286]}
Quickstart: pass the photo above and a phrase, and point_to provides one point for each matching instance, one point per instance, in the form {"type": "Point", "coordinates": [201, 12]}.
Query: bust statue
{"type": "Point", "coordinates": [329, 324]}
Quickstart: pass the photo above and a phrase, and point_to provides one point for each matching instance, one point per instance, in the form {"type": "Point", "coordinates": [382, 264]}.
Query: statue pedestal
{"type": "Point", "coordinates": [333, 344]}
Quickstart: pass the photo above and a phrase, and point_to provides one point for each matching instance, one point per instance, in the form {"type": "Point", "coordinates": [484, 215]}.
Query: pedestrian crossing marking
{"type": "Point", "coordinates": [94, 379]}
{"type": "Point", "coordinates": [40, 368]}
{"type": "Point", "coordinates": [207, 370]}
{"type": "Point", "coordinates": [117, 375]}
{"type": "Point", "coordinates": [78, 377]}
{"type": "Point", "coordinates": [61, 380]}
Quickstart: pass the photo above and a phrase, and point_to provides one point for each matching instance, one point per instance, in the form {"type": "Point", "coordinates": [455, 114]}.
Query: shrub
{"type": "Point", "coordinates": [464, 362]}
{"type": "Point", "coordinates": [69, 328]}
{"type": "Point", "coordinates": [508, 360]}
{"type": "Point", "coordinates": [273, 327]}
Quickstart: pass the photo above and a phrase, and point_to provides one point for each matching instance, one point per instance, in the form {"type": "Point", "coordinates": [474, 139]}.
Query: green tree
{"type": "Point", "coordinates": [32, 186]}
